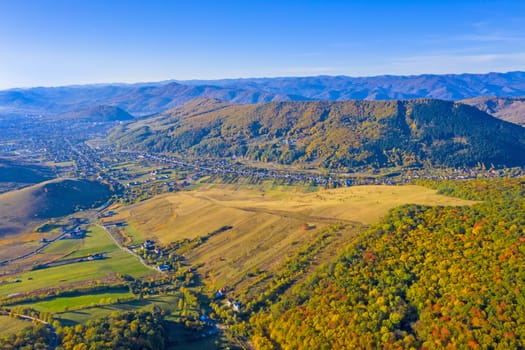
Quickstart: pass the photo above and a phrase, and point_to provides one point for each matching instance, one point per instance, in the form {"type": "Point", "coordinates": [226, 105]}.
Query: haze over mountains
{"type": "Point", "coordinates": [385, 87]}
{"type": "Point", "coordinates": [101, 113]}
{"type": "Point", "coordinates": [150, 98]}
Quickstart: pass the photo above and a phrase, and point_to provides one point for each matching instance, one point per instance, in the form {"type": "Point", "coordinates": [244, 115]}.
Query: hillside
{"type": "Point", "coordinates": [347, 135]}
{"type": "Point", "coordinates": [18, 174]}
{"type": "Point", "coordinates": [508, 109]}
{"type": "Point", "coordinates": [100, 113]}
{"type": "Point", "coordinates": [265, 224]}
{"type": "Point", "coordinates": [422, 278]}
{"type": "Point", "coordinates": [20, 210]}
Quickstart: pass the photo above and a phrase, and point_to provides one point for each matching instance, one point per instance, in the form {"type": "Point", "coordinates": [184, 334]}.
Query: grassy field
{"type": "Point", "coordinates": [168, 303]}
{"type": "Point", "coordinates": [195, 213]}
{"type": "Point", "coordinates": [134, 234]}
{"type": "Point", "coordinates": [81, 316]}
{"type": "Point", "coordinates": [63, 304]}
{"type": "Point", "coordinates": [69, 275]}
{"type": "Point", "coordinates": [268, 221]}
{"type": "Point", "coordinates": [12, 325]}
{"type": "Point", "coordinates": [63, 247]}
{"type": "Point", "coordinates": [96, 241]}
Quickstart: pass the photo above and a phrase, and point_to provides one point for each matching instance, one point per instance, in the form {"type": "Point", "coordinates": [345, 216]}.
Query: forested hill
{"type": "Point", "coordinates": [422, 278]}
{"type": "Point", "coordinates": [346, 134]}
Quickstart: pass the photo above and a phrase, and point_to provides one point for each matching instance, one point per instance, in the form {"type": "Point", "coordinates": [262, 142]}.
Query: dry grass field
{"type": "Point", "coordinates": [268, 224]}
{"type": "Point", "coordinates": [12, 325]}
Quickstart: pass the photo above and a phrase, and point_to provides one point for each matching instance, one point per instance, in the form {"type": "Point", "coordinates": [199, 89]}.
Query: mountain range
{"type": "Point", "coordinates": [384, 87]}
{"type": "Point", "coordinates": [150, 98]}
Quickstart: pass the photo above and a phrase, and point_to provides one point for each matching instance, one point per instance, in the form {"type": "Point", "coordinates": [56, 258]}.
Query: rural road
{"type": "Point", "coordinates": [53, 341]}
{"type": "Point", "coordinates": [34, 252]}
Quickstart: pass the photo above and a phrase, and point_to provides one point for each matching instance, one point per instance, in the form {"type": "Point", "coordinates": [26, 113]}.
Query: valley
{"type": "Point", "coordinates": [221, 225]}
{"type": "Point", "coordinates": [262, 175]}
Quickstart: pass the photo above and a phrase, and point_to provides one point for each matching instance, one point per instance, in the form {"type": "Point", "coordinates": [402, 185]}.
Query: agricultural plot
{"type": "Point", "coordinates": [96, 241]}
{"type": "Point", "coordinates": [62, 304]}
{"type": "Point", "coordinates": [72, 317]}
{"type": "Point", "coordinates": [12, 325]}
{"type": "Point", "coordinates": [72, 274]}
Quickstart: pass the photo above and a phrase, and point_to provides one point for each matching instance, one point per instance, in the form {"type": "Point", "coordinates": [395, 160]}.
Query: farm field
{"type": "Point", "coordinates": [68, 275]}
{"type": "Point", "coordinates": [63, 247]}
{"type": "Point", "coordinates": [12, 325]}
{"type": "Point", "coordinates": [167, 303]}
{"type": "Point", "coordinates": [62, 304]}
{"type": "Point", "coordinates": [96, 241]}
{"type": "Point", "coordinates": [72, 317]}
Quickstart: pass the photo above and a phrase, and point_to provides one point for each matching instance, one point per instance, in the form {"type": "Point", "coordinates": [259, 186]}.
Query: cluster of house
{"type": "Point", "coordinates": [150, 246]}
{"type": "Point", "coordinates": [74, 229]}
{"type": "Point", "coordinates": [234, 304]}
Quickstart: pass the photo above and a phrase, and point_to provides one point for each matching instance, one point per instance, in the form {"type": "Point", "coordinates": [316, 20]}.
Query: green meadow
{"type": "Point", "coordinates": [62, 304]}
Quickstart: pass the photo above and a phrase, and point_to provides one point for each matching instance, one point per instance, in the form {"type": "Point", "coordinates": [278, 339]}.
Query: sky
{"type": "Point", "coordinates": [64, 42]}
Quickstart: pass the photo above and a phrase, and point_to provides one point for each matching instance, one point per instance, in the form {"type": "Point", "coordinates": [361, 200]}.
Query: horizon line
{"type": "Point", "coordinates": [168, 81]}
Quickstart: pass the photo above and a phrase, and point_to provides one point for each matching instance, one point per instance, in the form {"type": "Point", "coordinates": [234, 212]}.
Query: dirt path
{"type": "Point", "coordinates": [129, 251]}
{"type": "Point", "coordinates": [53, 341]}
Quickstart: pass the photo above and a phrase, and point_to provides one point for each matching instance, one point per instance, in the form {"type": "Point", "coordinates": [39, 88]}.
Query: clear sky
{"type": "Point", "coordinates": [59, 42]}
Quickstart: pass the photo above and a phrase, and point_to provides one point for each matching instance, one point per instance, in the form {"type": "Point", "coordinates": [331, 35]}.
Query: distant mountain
{"type": "Point", "coordinates": [100, 113]}
{"type": "Point", "coordinates": [149, 98]}
{"type": "Point", "coordinates": [511, 109]}
{"type": "Point", "coordinates": [346, 134]}
{"type": "Point", "coordinates": [158, 98]}
{"type": "Point", "coordinates": [137, 99]}
{"type": "Point", "coordinates": [385, 87]}
{"type": "Point", "coordinates": [21, 209]}
{"type": "Point", "coordinates": [55, 100]}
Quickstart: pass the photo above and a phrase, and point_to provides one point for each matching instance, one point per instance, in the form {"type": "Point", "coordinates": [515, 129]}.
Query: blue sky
{"type": "Point", "coordinates": [60, 42]}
